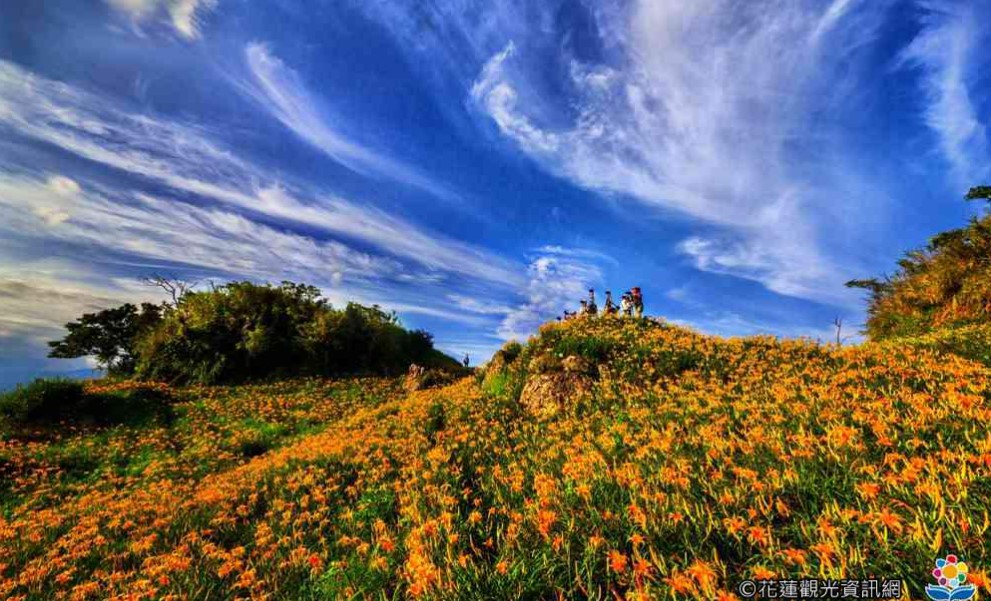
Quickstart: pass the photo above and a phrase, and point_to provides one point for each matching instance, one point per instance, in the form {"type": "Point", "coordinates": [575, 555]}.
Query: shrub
{"type": "Point", "coordinates": [945, 284]}
{"type": "Point", "coordinates": [52, 400]}
{"type": "Point", "coordinates": [42, 400]}
{"type": "Point", "coordinates": [133, 405]}
{"type": "Point", "coordinates": [971, 341]}
{"type": "Point", "coordinates": [502, 376]}
{"type": "Point", "coordinates": [431, 378]}
{"type": "Point", "coordinates": [510, 351]}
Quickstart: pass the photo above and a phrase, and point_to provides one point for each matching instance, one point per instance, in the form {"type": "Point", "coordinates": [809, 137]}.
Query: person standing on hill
{"type": "Point", "coordinates": [466, 360]}
{"type": "Point", "coordinates": [626, 304]}
{"type": "Point", "coordinates": [610, 307]}
{"type": "Point", "coordinates": [637, 297]}
{"type": "Point", "coordinates": [593, 309]}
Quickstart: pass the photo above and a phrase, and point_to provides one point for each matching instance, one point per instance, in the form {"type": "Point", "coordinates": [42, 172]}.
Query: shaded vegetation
{"type": "Point", "coordinates": [49, 402]}
{"type": "Point", "coordinates": [244, 331]}
{"type": "Point", "coordinates": [41, 399]}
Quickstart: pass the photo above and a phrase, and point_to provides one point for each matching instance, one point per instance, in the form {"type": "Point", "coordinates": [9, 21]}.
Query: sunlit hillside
{"type": "Point", "coordinates": [605, 459]}
{"type": "Point", "coordinates": [944, 286]}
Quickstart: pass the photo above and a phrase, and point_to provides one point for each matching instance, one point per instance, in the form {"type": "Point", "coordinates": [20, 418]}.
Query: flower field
{"type": "Point", "coordinates": [691, 463]}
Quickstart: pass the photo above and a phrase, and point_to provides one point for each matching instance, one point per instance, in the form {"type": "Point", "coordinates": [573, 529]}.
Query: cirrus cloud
{"type": "Point", "coordinates": [711, 111]}
{"type": "Point", "coordinates": [183, 15]}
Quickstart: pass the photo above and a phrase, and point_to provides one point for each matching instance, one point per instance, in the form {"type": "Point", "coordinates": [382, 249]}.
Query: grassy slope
{"type": "Point", "coordinates": [697, 461]}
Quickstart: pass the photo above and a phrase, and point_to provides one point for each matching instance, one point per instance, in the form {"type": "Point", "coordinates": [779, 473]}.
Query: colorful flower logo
{"type": "Point", "coordinates": [951, 573]}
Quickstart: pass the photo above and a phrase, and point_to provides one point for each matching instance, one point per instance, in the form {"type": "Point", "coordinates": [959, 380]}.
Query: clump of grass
{"type": "Point", "coordinates": [134, 406]}
{"type": "Point", "coordinates": [436, 420]}
{"type": "Point", "coordinates": [258, 437]}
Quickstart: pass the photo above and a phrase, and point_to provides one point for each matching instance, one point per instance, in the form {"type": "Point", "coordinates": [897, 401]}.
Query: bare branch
{"type": "Point", "coordinates": [174, 287]}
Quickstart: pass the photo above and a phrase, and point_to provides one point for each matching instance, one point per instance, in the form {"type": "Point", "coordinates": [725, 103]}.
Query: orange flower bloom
{"type": "Point", "coordinates": [762, 573]}
{"type": "Point", "coordinates": [680, 583]}
{"type": "Point", "coordinates": [702, 573]}
{"type": "Point", "coordinates": [642, 568]}
{"type": "Point", "coordinates": [758, 536]}
{"type": "Point", "coordinates": [617, 561]}
{"type": "Point", "coordinates": [795, 556]}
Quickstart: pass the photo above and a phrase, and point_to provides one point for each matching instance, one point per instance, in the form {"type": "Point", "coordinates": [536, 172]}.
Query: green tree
{"type": "Point", "coordinates": [979, 193]}
{"type": "Point", "coordinates": [110, 335]}
{"type": "Point", "coordinates": [246, 331]}
{"type": "Point", "coordinates": [237, 331]}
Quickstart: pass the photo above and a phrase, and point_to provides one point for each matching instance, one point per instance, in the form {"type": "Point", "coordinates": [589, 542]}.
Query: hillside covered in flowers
{"type": "Point", "coordinates": [605, 459]}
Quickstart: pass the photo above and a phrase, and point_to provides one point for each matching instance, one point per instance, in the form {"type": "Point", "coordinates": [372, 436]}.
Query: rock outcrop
{"type": "Point", "coordinates": [549, 390]}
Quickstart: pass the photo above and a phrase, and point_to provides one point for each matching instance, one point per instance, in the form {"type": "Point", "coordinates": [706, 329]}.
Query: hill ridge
{"type": "Point", "coordinates": [693, 462]}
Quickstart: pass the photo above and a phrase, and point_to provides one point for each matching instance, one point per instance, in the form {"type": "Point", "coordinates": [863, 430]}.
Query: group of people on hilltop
{"type": "Point", "coordinates": [630, 305]}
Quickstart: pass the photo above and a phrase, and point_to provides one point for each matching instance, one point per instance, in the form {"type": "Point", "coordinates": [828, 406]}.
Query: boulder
{"type": "Point", "coordinates": [577, 365]}
{"type": "Point", "coordinates": [414, 378]}
{"type": "Point", "coordinates": [420, 378]}
{"type": "Point", "coordinates": [544, 363]}
{"type": "Point", "coordinates": [546, 394]}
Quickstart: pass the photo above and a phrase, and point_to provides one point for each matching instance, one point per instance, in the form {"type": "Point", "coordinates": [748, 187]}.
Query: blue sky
{"type": "Point", "coordinates": [476, 166]}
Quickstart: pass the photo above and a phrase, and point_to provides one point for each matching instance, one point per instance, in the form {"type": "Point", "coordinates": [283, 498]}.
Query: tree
{"type": "Point", "coordinates": [243, 331]}
{"type": "Point", "coordinates": [110, 335]}
{"type": "Point", "coordinates": [175, 288]}
{"type": "Point", "coordinates": [979, 193]}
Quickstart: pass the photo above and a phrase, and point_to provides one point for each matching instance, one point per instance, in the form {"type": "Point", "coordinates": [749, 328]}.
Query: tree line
{"type": "Point", "coordinates": [243, 331]}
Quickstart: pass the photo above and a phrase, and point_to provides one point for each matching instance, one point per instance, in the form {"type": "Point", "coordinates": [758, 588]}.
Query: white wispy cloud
{"type": "Point", "coordinates": [151, 234]}
{"type": "Point", "coordinates": [951, 51]}
{"type": "Point", "coordinates": [836, 11]}
{"type": "Point", "coordinates": [33, 313]}
{"type": "Point", "coordinates": [714, 111]}
{"type": "Point", "coordinates": [183, 15]}
{"type": "Point", "coordinates": [557, 281]}
{"type": "Point", "coordinates": [481, 306]}
{"type": "Point", "coordinates": [186, 159]}
{"type": "Point", "coordinates": [580, 253]}
{"type": "Point", "coordinates": [178, 201]}
{"type": "Point", "coordinates": [165, 230]}
{"type": "Point", "coordinates": [38, 296]}
{"type": "Point", "coordinates": [281, 91]}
